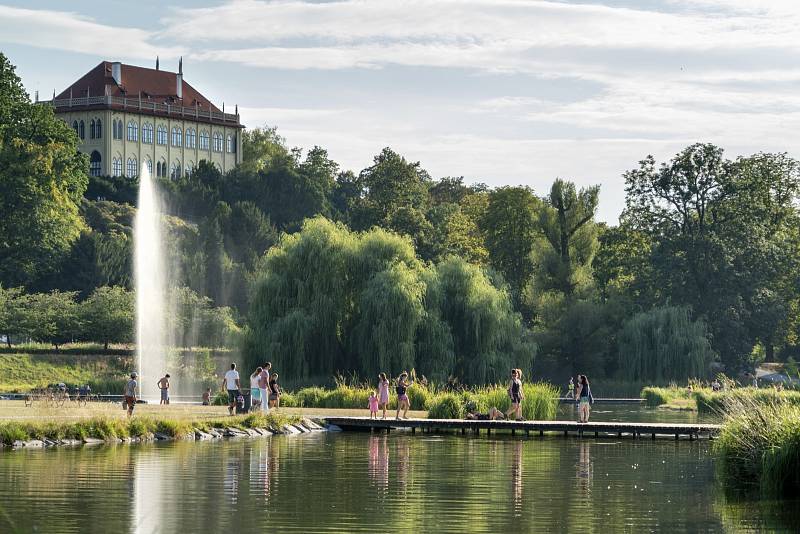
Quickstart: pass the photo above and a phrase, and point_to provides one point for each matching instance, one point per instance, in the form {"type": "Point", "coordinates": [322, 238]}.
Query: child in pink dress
{"type": "Point", "coordinates": [373, 406]}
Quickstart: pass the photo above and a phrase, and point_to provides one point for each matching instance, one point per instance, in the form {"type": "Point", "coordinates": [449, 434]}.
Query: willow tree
{"type": "Point", "coordinates": [488, 337]}
{"type": "Point", "coordinates": [331, 300]}
{"type": "Point", "coordinates": [664, 344]}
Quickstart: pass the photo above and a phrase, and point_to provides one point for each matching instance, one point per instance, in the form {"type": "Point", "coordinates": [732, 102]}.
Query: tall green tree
{"type": "Point", "coordinates": [510, 224]}
{"type": "Point", "coordinates": [108, 315]}
{"type": "Point", "coordinates": [42, 177]}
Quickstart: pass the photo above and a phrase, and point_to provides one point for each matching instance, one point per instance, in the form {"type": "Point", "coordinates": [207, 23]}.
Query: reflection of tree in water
{"type": "Point", "coordinates": [379, 463]}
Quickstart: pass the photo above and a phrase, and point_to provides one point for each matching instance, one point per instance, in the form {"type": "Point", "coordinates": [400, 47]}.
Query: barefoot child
{"type": "Point", "coordinates": [373, 406]}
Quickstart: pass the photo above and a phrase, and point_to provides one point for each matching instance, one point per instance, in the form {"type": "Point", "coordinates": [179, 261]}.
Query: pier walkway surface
{"type": "Point", "coordinates": [583, 430]}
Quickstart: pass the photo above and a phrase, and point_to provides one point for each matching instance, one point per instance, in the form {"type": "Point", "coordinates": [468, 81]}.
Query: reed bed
{"type": "Point", "coordinates": [759, 445]}
{"type": "Point", "coordinates": [716, 402]}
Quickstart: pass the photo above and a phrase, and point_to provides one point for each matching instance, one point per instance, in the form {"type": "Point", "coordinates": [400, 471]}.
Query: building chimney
{"type": "Point", "coordinates": [116, 72]}
{"type": "Point", "coordinates": [179, 80]}
{"type": "Point", "coordinates": [156, 62]}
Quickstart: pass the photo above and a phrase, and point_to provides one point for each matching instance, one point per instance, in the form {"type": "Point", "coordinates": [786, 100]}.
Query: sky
{"type": "Point", "coordinates": [504, 92]}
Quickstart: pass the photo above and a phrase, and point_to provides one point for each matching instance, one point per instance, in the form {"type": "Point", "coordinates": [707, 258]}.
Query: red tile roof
{"type": "Point", "coordinates": [154, 85]}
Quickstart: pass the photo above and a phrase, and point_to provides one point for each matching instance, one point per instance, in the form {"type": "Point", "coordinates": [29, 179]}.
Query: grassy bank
{"type": "Point", "coordinates": [24, 372]}
{"type": "Point", "coordinates": [759, 445]}
{"type": "Point", "coordinates": [674, 397]}
{"type": "Point", "coordinates": [107, 427]}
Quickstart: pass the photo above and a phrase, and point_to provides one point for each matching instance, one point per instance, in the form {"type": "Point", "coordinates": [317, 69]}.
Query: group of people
{"type": "Point", "coordinates": [265, 392]}
{"type": "Point", "coordinates": [582, 394]}
{"type": "Point", "coordinates": [379, 400]}
{"type": "Point", "coordinates": [131, 391]}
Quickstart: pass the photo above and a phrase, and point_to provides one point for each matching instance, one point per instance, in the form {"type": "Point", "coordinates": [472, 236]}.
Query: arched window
{"type": "Point", "coordinates": [161, 169]}
{"type": "Point", "coordinates": [177, 137]}
{"type": "Point", "coordinates": [99, 129]}
{"type": "Point", "coordinates": [133, 168]}
{"type": "Point", "coordinates": [75, 127]}
{"type": "Point", "coordinates": [91, 129]}
{"type": "Point", "coordinates": [95, 162]}
{"type": "Point", "coordinates": [204, 140]}
{"type": "Point", "coordinates": [191, 137]}
{"type": "Point", "coordinates": [175, 172]}
{"type": "Point", "coordinates": [82, 133]}
{"type": "Point", "coordinates": [116, 166]}
{"type": "Point", "coordinates": [161, 135]}
{"type": "Point", "coordinates": [119, 129]}
{"type": "Point", "coordinates": [231, 144]}
{"type": "Point", "coordinates": [147, 133]}
{"type": "Point", "coordinates": [133, 131]}
{"type": "Point", "coordinates": [217, 142]}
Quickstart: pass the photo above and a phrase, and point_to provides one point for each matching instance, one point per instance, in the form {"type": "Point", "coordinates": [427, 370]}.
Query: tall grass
{"type": "Point", "coordinates": [540, 402]}
{"type": "Point", "coordinates": [759, 445]}
{"type": "Point", "coordinates": [717, 402]}
{"type": "Point", "coordinates": [658, 396]}
{"type": "Point", "coordinates": [110, 428]}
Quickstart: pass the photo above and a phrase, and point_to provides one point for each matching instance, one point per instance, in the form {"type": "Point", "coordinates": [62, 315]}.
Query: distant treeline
{"type": "Point", "coordinates": [703, 268]}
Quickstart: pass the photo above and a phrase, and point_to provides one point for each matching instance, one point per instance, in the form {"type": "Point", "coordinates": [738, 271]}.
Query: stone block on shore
{"type": "Point", "coordinates": [92, 441]}
{"type": "Point", "coordinates": [160, 436]}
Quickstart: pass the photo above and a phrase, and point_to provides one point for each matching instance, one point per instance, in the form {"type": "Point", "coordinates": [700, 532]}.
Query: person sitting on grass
{"type": "Point", "coordinates": [231, 384]}
{"type": "Point", "coordinates": [492, 415]}
{"type": "Point", "coordinates": [130, 394]}
{"type": "Point", "coordinates": [207, 397]}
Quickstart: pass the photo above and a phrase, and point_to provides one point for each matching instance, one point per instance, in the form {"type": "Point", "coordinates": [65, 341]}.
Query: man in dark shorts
{"type": "Point", "coordinates": [130, 394]}
{"type": "Point", "coordinates": [163, 385]}
{"type": "Point", "coordinates": [231, 384]}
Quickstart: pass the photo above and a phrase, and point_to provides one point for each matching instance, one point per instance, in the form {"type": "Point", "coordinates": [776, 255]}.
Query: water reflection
{"type": "Point", "coordinates": [516, 476]}
{"type": "Point", "coordinates": [360, 483]}
{"type": "Point", "coordinates": [584, 468]}
{"type": "Point", "coordinates": [379, 463]}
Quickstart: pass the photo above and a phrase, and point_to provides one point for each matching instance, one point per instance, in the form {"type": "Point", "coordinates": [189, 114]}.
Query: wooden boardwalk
{"type": "Point", "coordinates": [527, 428]}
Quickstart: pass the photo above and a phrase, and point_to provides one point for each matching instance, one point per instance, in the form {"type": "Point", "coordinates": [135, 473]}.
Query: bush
{"type": "Point", "coordinates": [657, 396]}
{"type": "Point", "coordinates": [446, 406]}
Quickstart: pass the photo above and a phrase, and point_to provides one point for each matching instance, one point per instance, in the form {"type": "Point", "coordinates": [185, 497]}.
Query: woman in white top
{"type": "Point", "coordinates": [255, 392]}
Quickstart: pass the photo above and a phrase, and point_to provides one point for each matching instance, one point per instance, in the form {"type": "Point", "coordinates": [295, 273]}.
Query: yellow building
{"type": "Point", "coordinates": [128, 116]}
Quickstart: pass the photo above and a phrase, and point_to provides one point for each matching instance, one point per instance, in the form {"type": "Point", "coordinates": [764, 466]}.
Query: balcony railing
{"type": "Point", "coordinates": [136, 104]}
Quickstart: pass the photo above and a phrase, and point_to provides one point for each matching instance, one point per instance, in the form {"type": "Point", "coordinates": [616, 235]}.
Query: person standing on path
{"type": "Point", "coordinates": [163, 385]}
{"type": "Point", "coordinates": [231, 384]}
{"type": "Point", "coordinates": [274, 392]}
{"type": "Point", "coordinates": [515, 393]}
{"type": "Point", "coordinates": [130, 393]}
{"type": "Point", "coordinates": [584, 398]}
{"type": "Point", "coordinates": [263, 385]}
{"type": "Point", "coordinates": [383, 393]}
{"type": "Point", "coordinates": [255, 391]}
{"type": "Point", "coordinates": [403, 403]}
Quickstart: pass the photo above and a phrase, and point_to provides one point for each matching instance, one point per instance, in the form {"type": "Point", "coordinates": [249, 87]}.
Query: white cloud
{"type": "Point", "coordinates": [76, 33]}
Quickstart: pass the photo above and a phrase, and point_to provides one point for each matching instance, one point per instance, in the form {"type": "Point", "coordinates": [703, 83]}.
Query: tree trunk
{"type": "Point", "coordinates": [105, 346]}
{"type": "Point", "coordinates": [770, 352]}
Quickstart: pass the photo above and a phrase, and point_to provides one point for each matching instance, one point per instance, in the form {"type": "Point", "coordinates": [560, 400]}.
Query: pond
{"type": "Point", "coordinates": [361, 482]}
